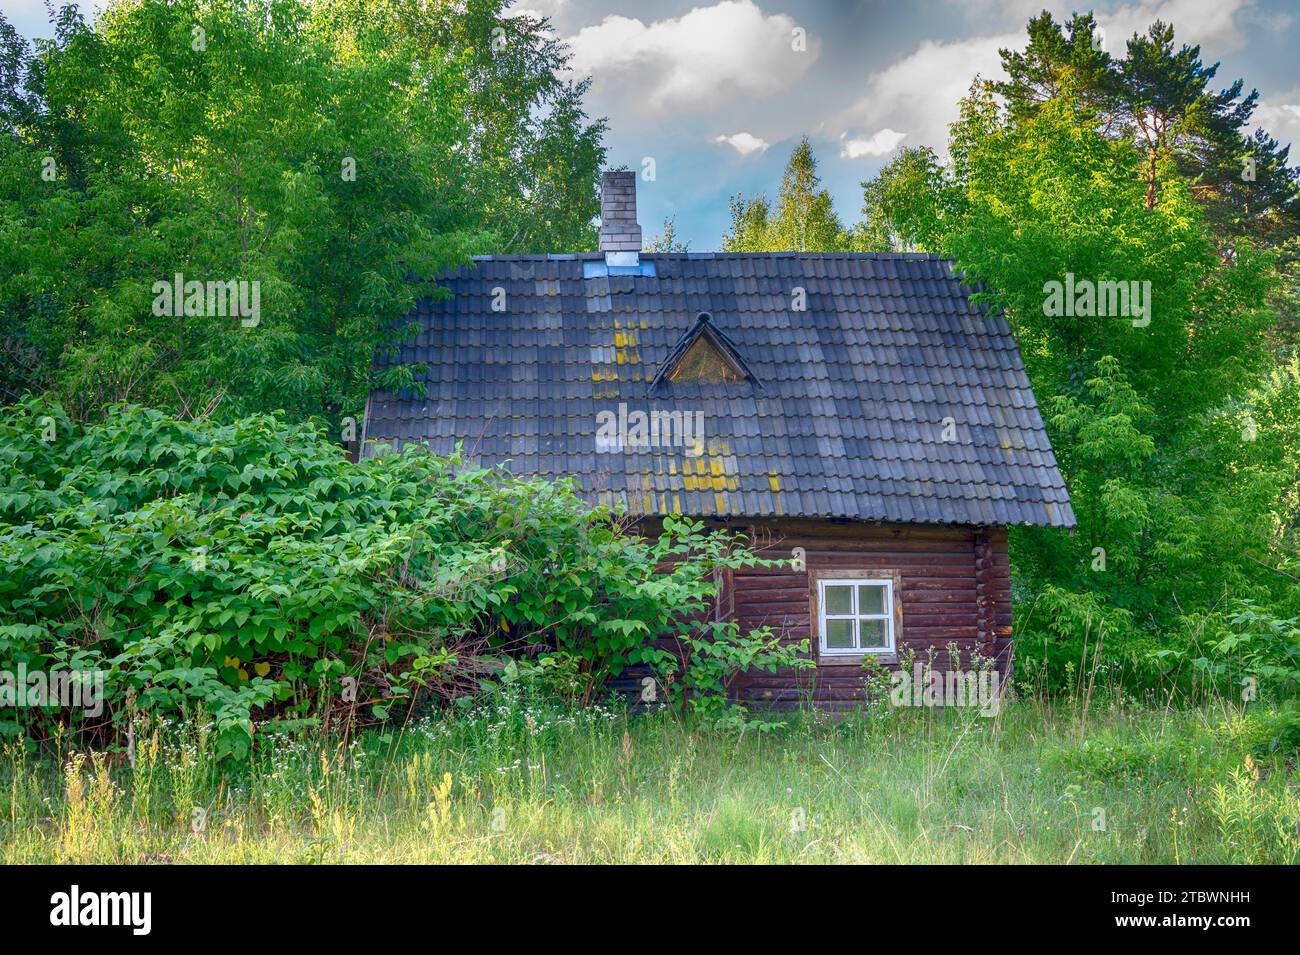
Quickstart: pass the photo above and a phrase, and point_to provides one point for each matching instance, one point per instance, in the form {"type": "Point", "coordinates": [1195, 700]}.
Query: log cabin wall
{"type": "Point", "coordinates": [952, 584]}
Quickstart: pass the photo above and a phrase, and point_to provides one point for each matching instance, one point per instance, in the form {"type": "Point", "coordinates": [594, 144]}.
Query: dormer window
{"type": "Point", "coordinates": [703, 355]}
{"type": "Point", "coordinates": [703, 360]}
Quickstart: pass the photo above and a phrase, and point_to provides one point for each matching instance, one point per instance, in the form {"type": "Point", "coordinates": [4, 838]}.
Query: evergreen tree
{"type": "Point", "coordinates": [1159, 96]}
{"type": "Point", "coordinates": [805, 219]}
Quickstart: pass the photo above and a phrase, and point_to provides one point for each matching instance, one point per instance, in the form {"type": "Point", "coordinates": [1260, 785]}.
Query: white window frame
{"type": "Point", "coordinates": [887, 616]}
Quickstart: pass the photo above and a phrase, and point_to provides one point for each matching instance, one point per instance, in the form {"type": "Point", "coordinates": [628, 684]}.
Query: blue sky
{"type": "Point", "coordinates": [717, 95]}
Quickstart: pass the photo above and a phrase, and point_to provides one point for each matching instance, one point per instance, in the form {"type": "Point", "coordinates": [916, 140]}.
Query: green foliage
{"type": "Point", "coordinates": [223, 155]}
{"type": "Point", "coordinates": [1272, 733]}
{"type": "Point", "coordinates": [249, 568]}
{"type": "Point", "coordinates": [804, 219]}
{"type": "Point", "coordinates": [666, 631]}
{"type": "Point", "coordinates": [707, 659]}
{"type": "Point", "coordinates": [1158, 97]}
{"type": "Point", "coordinates": [667, 240]}
{"type": "Point", "coordinates": [1128, 761]}
{"type": "Point", "coordinates": [529, 161]}
{"type": "Point", "coordinates": [1238, 753]}
{"type": "Point", "coordinates": [1179, 505]}
{"type": "Point", "coordinates": [327, 151]}
{"type": "Point", "coordinates": [898, 203]}
{"type": "Point", "coordinates": [1254, 652]}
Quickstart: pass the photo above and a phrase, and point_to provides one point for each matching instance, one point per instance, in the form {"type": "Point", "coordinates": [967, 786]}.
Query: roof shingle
{"type": "Point", "coordinates": [847, 416]}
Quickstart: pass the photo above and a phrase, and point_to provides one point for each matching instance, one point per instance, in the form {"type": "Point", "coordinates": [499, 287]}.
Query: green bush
{"type": "Point", "coordinates": [251, 570]}
{"type": "Point", "coordinates": [1246, 651]}
{"type": "Point", "coordinates": [1269, 732]}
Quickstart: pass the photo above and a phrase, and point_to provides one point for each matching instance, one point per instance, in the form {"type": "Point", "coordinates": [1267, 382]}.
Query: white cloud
{"type": "Point", "coordinates": [1211, 22]}
{"type": "Point", "coordinates": [695, 61]}
{"type": "Point", "coordinates": [1271, 20]}
{"type": "Point", "coordinates": [878, 143]}
{"type": "Point", "coordinates": [537, 9]}
{"type": "Point", "coordinates": [744, 143]}
{"type": "Point", "coordinates": [921, 91]}
{"type": "Point", "coordinates": [1001, 14]}
{"type": "Point", "coordinates": [1280, 118]}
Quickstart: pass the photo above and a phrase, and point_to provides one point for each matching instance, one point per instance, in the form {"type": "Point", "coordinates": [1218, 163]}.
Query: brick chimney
{"type": "Point", "coordinates": [620, 236]}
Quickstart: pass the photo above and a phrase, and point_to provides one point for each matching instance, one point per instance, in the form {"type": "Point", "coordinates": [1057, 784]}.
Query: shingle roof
{"type": "Point", "coordinates": [853, 399]}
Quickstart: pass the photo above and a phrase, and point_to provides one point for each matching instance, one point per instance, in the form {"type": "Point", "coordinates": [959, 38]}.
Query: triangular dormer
{"type": "Point", "coordinates": [703, 356]}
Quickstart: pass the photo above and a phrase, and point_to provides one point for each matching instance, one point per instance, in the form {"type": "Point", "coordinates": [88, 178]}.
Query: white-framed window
{"type": "Point", "coordinates": [855, 616]}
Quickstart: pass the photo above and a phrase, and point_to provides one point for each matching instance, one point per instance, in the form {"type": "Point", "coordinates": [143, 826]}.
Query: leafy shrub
{"type": "Point", "coordinates": [1068, 641]}
{"type": "Point", "coordinates": [250, 569]}
{"type": "Point", "coordinates": [1249, 649]}
{"type": "Point", "coordinates": [1268, 732]}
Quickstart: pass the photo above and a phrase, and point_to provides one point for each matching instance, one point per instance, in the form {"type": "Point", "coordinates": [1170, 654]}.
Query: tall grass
{"type": "Point", "coordinates": [509, 782]}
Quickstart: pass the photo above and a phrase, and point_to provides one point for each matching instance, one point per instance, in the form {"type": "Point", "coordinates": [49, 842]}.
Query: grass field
{"type": "Point", "coordinates": [511, 784]}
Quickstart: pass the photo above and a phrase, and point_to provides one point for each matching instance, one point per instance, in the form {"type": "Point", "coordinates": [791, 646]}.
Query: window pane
{"type": "Point", "coordinates": [873, 633]}
{"type": "Point", "coordinates": [871, 598]}
{"type": "Point", "coordinates": [839, 634]}
{"type": "Point", "coordinates": [839, 600]}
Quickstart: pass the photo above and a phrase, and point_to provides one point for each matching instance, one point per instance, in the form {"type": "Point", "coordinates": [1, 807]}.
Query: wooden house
{"type": "Point", "coordinates": [856, 411]}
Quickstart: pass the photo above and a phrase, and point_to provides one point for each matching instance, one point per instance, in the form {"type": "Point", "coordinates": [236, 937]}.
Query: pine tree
{"type": "Point", "coordinates": [1159, 97]}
